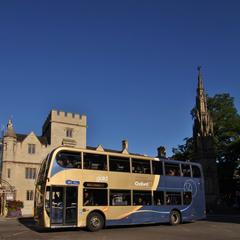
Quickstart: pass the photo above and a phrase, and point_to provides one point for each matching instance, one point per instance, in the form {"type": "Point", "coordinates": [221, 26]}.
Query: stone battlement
{"type": "Point", "coordinates": [65, 117]}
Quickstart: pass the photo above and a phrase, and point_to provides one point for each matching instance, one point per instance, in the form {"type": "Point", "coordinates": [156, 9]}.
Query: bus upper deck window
{"type": "Point", "coordinates": [186, 171]}
{"type": "Point", "coordinates": [196, 173]}
{"type": "Point", "coordinates": [119, 164]}
{"type": "Point", "coordinates": [141, 166]}
{"type": "Point", "coordinates": [157, 167]}
{"type": "Point", "coordinates": [69, 159]}
{"type": "Point", "coordinates": [94, 161]}
{"type": "Point", "coordinates": [172, 169]}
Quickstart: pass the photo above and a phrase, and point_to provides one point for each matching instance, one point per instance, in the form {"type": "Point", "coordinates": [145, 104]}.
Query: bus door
{"type": "Point", "coordinates": [64, 205]}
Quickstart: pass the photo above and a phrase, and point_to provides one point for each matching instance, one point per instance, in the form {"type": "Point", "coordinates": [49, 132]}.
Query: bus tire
{"type": "Point", "coordinates": [95, 221]}
{"type": "Point", "coordinates": [175, 217]}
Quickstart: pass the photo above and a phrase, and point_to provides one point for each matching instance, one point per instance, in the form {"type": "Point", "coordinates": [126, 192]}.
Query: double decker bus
{"type": "Point", "coordinates": [97, 188]}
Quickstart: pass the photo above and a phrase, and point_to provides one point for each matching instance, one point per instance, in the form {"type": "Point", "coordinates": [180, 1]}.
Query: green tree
{"type": "Point", "coordinates": [227, 135]}
{"type": "Point", "coordinates": [184, 152]}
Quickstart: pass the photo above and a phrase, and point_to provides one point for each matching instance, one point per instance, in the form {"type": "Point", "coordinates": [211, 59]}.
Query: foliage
{"type": "Point", "coordinates": [227, 135]}
{"type": "Point", "coordinates": [185, 151]}
{"type": "Point", "coordinates": [13, 204]}
{"type": "Point", "coordinates": [14, 208]}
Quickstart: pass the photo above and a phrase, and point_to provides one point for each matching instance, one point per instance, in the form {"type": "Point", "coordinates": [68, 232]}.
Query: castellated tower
{"type": "Point", "coordinates": [23, 153]}
{"type": "Point", "coordinates": [62, 128]}
{"type": "Point", "coordinates": [204, 151]}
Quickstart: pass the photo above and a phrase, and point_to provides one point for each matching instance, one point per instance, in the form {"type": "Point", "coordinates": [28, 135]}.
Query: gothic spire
{"type": "Point", "coordinates": [203, 125]}
{"type": "Point", "coordinates": [200, 80]}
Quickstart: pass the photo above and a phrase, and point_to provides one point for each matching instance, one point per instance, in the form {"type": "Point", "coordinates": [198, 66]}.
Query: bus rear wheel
{"type": "Point", "coordinates": [175, 217]}
{"type": "Point", "coordinates": [95, 222]}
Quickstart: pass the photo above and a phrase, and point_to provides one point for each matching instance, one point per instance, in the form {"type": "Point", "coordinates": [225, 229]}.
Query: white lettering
{"type": "Point", "coordinates": [101, 178]}
{"type": "Point", "coordinates": [141, 184]}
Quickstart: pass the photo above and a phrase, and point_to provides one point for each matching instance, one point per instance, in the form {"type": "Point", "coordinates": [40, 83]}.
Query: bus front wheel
{"type": "Point", "coordinates": [95, 222]}
{"type": "Point", "coordinates": [175, 217]}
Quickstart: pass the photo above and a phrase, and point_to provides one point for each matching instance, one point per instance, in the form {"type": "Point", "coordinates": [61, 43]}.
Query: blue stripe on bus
{"type": "Point", "coordinates": [160, 214]}
{"type": "Point", "coordinates": [156, 214]}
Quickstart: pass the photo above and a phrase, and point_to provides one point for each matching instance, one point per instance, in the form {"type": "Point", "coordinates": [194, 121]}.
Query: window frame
{"type": "Point", "coordinates": [94, 190]}
{"type": "Point", "coordinates": [31, 148]}
{"type": "Point", "coordinates": [178, 172]}
{"type": "Point", "coordinates": [184, 198]}
{"type": "Point", "coordinates": [121, 159]}
{"type": "Point", "coordinates": [69, 132]}
{"type": "Point", "coordinates": [162, 198]}
{"type": "Point", "coordinates": [30, 173]}
{"type": "Point", "coordinates": [75, 156]}
{"type": "Point", "coordinates": [141, 192]}
{"type": "Point", "coordinates": [141, 168]}
{"type": "Point", "coordinates": [8, 172]}
{"type": "Point", "coordinates": [162, 169]}
{"type": "Point", "coordinates": [29, 195]}
{"type": "Point", "coordinates": [120, 191]}
{"type": "Point", "coordinates": [192, 171]}
{"type": "Point", "coordinates": [103, 158]}
{"type": "Point", "coordinates": [173, 194]}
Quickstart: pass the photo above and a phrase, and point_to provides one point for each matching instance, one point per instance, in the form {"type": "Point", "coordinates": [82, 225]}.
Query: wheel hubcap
{"type": "Point", "coordinates": [175, 218]}
{"type": "Point", "coordinates": [95, 222]}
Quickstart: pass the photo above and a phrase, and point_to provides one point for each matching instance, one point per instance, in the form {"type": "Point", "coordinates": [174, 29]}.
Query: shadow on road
{"type": "Point", "coordinates": [30, 223]}
{"type": "Point", "coordinates": [224, 218]}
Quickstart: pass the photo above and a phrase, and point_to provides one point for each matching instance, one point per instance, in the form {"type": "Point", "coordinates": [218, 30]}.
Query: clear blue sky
{"type": "Point", "coordinates": [130, 66]}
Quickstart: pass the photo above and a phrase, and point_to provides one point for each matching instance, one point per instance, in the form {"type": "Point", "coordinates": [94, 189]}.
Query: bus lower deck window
{"type": "Point", "coordinates": [120, 197]}
{"type": "Point", "coordinates": [95, 197]}
{"type": "Point", "coordinates": [142, 198]}
{"type": "Point", "coordinates": [173, 198]}
{"type": "Point", "coordinates": [158, 197]}
{"type": "Point", "coordinates": [187, 198]}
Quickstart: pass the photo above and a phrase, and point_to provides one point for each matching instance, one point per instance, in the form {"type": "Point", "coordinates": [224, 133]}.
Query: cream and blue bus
{"type": "Point", "coordinates": [98, 188]}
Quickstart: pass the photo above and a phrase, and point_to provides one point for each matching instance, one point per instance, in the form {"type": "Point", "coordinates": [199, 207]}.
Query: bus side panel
{"type": "Point", "coordinates": [194, 211]}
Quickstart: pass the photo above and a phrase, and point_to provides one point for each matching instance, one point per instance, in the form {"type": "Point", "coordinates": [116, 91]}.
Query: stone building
{"type": "Point", "coordinates": [203, 139]}
{"type": "Point", "coordinates": [22, 154]}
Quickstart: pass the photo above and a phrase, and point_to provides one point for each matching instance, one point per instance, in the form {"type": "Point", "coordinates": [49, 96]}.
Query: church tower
{"type": "Point", "coordinates": [204, 151]}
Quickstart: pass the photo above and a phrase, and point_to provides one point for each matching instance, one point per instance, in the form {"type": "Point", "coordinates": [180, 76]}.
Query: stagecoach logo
{"type": "Point", "coordinates": [72, 182]}
{"type": "Point", "coordinates": [190, 186]}
{"type": "Point", "coordinates": [141, 184]}
{"type": "Point", "coordinates": [187, 187]}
